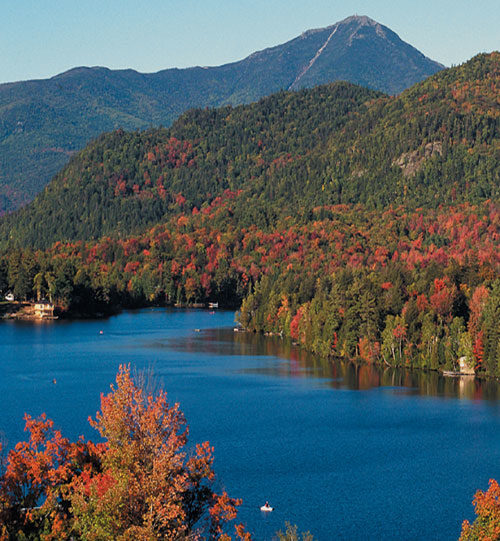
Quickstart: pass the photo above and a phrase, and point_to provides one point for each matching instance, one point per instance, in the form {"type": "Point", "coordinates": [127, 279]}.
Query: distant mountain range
{"type": "Point", "coordinates": [43, 122]}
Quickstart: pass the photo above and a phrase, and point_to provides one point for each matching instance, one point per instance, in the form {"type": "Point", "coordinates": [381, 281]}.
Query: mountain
{"type": "Point", "coordinates": [44, 122]}
{"type": "Point", "coordinates": [436, 143]}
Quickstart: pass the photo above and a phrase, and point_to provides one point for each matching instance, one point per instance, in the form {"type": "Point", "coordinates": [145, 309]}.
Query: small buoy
{"type": "Point", "coordinates": [54, 381]}
{"type": "Point", "coordinates": [101, 332]}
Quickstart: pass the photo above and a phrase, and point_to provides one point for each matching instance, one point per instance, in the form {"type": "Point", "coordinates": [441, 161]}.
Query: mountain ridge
{"type": "Point", "coordinates": [70, 108]}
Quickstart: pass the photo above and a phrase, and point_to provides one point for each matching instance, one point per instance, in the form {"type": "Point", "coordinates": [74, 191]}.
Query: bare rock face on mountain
{"type": "Point", "coordinates": [43, 122]}
{"type": "Point", "coordinates": [364, 52]}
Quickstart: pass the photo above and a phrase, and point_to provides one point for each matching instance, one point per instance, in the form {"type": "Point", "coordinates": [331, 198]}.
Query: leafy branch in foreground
{"type": "Point", "coordinates": [487, 523]}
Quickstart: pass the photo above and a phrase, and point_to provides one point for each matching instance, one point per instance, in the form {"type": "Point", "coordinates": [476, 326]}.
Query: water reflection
{"type": "Point", "coordinates": [338, 374]}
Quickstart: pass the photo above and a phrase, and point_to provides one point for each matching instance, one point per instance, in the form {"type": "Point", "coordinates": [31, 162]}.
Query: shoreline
{"type": "Point", "coordinates": [20, 314]}
{"type": "Point", "coordinates": [23, 310]}
{"type": "Point", "coordinates": [442, 371]}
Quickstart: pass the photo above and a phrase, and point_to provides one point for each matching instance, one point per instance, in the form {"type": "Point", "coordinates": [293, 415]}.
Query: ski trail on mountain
{"type": "Point", "coordinates": [313, 60]}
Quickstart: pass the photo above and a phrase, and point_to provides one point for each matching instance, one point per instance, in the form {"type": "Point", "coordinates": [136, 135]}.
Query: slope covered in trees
{"type": "Point", "coordinates": [43, 122]}
{"type": "Point", "coordinates": [437, 143]}
{"type": "Point", "coordinates": [126, 180]}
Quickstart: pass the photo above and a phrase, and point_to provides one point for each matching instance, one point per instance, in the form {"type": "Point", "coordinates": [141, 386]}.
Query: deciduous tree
{"type": "Point", "coordinates": [141, 482]}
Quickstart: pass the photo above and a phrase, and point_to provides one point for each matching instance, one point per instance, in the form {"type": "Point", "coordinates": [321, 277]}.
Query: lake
{"type": "Point", "coordinates": [343, 451]}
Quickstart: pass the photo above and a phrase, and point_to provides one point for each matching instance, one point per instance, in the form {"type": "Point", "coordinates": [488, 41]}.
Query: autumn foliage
{"type": "Point", "coordinates": [486, 527]}
{"type": "Point", "coordinates": [406, 287]}
{"type": "Point", "coordinates": [142, 482]}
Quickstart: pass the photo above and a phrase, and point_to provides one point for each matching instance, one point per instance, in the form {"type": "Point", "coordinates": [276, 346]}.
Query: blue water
{"type": "Point", "coordinates": [346, 453]}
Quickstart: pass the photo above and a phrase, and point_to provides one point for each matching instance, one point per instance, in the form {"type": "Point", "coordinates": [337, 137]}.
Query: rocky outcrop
{"type": "Point", "coordinates": [412, 162]}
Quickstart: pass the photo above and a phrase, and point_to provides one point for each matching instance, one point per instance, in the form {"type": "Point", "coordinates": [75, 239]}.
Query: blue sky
{"type": "Point", "coordinates": [40, 38]}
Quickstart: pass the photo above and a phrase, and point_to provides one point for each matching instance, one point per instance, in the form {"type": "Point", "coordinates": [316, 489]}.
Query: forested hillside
{"type": "Point", "coordinates": [437, 143]}
{"type": "Point", "coordinates": [359, 225]}
{"type": "Point", "coordinates": [126, 180]}
{"type": "Point", "coordinates": [44, 122]}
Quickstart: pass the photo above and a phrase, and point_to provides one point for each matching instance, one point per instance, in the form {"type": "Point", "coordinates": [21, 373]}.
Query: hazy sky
{"type": "Point", "coordinates": [40, 38]}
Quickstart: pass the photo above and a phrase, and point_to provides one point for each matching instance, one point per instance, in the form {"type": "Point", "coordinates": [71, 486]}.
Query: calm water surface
{"type": "Point", "coordinates": [345, 452]}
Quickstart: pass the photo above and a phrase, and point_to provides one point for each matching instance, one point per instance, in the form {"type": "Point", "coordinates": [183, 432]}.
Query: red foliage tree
{"type": "Point", "coordinates": [33, 488]}
{"type": "Point", "coordinates": [476, 305]}
{"type": "Point", "coordinates": [368, 349]}
{"type": "Point", "coordinates": [443, 296]}
{"type": "Point", "coordinates": [295, 324]}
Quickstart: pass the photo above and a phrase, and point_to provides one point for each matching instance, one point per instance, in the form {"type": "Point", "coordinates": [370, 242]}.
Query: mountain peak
{"type": "Point", "coordinates": [359, 20]}
{"type": "Point", "coordinates": [362, 20]}
{"type": "Point", "coordinates": [360, 50]}
{"type": "Point", "coordinates": [361, 23]}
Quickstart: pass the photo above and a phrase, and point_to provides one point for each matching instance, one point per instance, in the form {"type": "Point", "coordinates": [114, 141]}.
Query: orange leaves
{"type": "Point", "coordinates": [284, 308]}
{"type": "Point", "coordinates": [368, 350]}
{"type": "Point", "coordinates": [40, 462]}
{"type": "Point", "coordinates": [241, 533]}
{"type": "Point", "coordinates": [132, 267]}
{"type": "Point", "coordinates": [399, 332]}
{"type": "Point", "coordinates": [299, 322]}
{"type": "Point", "coordinates": [182, 221]}
{"type": "Point", "coordinates": [120, 188]}
{"type": "Point", "coordinates": [35, 473]}
{"type": "Point", "coordinates": [180, 199]}
{"type": "Point", "coordinates": [131, 246]}
{"type": "Point", "coordinates": [138, 484]}
{"type": "Point", "coordinates": [200, 464]}
{"type": "Point", "coordinates": [222, 510]}
{"type": "Point", "coordinates": [477, 304]}
{"type": "Point", "coordinates": [422, 303]}
{"type": "Point", "coordinates": [487, 524]}
{"type": "Point", "coordinates": [145, 468]}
